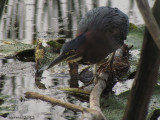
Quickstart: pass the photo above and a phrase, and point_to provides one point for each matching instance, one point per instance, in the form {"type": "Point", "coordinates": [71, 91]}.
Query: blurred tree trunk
{"type": "Point", "coordinates": [44, 11]}
{"type": "Point", "coordinates": [50, 17]}
{"type": "Point", "coordinates": [2, 4]}
{"type": "Point", "coordinates": [70, 8]}
{"type": "Point", "coordinates": [6, 21]}
{"type": "Point", "coordinates": [14, 21]}
{"type": "Point", "coordinates": [146, 77]}
{"type": "Point", "coordinates": [35, 22]}
{"type": "Point", "coordinates": [95, 3]}
{"type": "Point", "coordinates": [80, 8]}
{"type": "Point", "coordinates": [21, 18]}
{"type": "Point", "coordinates": [109, 3]}
{"type": "Point", "coordinates": [60, 19]}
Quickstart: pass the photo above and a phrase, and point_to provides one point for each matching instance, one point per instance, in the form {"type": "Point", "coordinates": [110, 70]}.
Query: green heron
{"type": "Point", "coordinates": [101, 31]}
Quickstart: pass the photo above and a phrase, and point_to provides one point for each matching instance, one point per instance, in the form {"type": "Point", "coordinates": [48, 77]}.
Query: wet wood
{"type": "Point", "coordinates": [51, 100]}
{"type": "Point", "coordinates": [146, 77]}
{"type": "Point", "coordinates": [150, 21]}
{"type": "Point", "coordinates": [76, 90]}
{"type": "Point", "coordinates": [95, 99]}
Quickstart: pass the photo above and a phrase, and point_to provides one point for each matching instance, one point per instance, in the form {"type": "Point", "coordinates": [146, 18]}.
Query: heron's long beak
{"type": "Point", "coordinates": [57, 60]}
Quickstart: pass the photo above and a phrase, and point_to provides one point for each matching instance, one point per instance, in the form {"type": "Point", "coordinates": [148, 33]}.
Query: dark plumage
{"type": "Point", "coordinates": [101, 31]}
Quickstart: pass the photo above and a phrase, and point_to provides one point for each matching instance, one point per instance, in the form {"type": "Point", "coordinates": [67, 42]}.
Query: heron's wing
{"type": "Point", "coordinates": [104, 19]}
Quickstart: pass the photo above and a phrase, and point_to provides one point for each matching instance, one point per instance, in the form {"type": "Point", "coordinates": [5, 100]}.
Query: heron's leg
{"type": "Point", "coordinates": [95, 70]}
{"type": "Point", "coordinates": [111, 60]}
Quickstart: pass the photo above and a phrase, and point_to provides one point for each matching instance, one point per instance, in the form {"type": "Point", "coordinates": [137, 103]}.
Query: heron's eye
{"type": "Point", "coordinates": [70, 52]}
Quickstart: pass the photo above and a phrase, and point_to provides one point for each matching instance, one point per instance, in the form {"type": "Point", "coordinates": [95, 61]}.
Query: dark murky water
{"type": "Point", "coordinates": [26, 21]}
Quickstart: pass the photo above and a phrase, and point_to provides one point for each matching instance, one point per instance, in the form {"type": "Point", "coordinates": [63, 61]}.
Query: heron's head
{"type": "Point", "coordinates": [68, 51]}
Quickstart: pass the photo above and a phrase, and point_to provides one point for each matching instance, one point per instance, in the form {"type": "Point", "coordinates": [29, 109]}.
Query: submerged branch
{"type": "Point", "coordinates": [51, 100]}
{"type": "Point", "coordinates": [46, 98]}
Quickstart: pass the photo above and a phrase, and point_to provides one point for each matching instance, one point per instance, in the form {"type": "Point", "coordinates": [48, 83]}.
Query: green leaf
{"type": "Point", "coordinates": [135, 37]}
{"type": "Point", "coordinates": [56, 45]}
